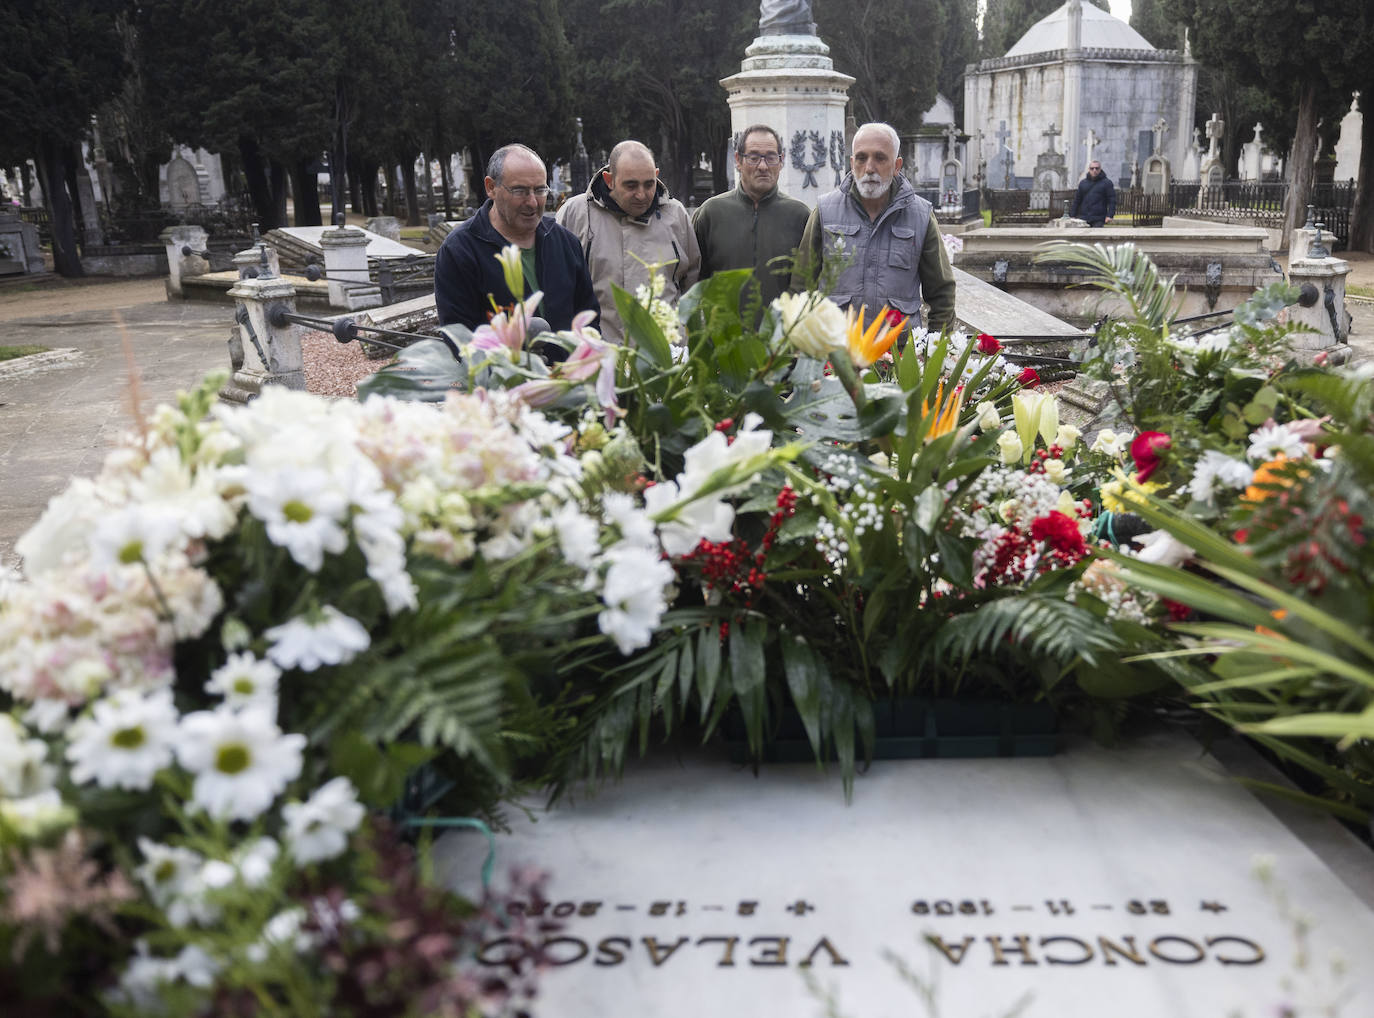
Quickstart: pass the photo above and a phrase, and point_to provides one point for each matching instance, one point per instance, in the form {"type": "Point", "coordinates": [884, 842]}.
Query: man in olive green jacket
{"type": "Point", "coordinates": [750, 226]}
{"type": "Point", "coordinates": [627, 223]}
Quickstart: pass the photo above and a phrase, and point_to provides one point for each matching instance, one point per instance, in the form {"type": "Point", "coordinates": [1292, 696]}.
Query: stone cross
{"type": "Point", "coordinates": [1051, 134]}
{"type": "Point", "coordinates": [1160, 129]}
{"type": "Point", "coordinates": [1215, 127]}
{"type": "Point", "coordinates": [1258, 128]}
{"type": "Point", "coordinates": [1091, 142]}
{"type": "Point", "coordinates": [951, 141]}
{"type": "Point", "coordinates": [1002, 135]}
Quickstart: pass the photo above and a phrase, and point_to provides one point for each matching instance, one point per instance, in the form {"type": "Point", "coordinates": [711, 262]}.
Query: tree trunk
{"type": "Point", "coordinates": [52, 171]}
{"type": "Point", "coordinates": [306, 186]}
{"type": "Point", "coordinates": [358, 189]}
{"type": "Point", "coordinates": [447, 186]}
{"type": "Point", "coordinates": [259, 189]}
{"type": "Point", "coordinates": [412, 196]}
{"type": "Point", "coordinates": [1362, 216]}
{"type": "Point", "coordinates": [276, 175]}
{"type": "Point", "coordinates": [1302, 169]}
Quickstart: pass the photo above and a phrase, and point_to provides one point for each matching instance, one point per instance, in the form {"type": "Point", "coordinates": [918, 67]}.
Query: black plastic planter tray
{"type": "Point", "coordinates": [912, 729]}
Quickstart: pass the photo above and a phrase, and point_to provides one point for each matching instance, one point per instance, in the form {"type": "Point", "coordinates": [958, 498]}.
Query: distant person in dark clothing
{"type": "Point", "coordinates": [467, 275]}
{"type": "Point", "coordinates": [1095, 200]}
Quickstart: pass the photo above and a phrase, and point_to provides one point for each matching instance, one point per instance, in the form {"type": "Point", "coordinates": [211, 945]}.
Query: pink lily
{"type": "Point", "coordinates": [540, 391]}
{"type": "Point", "coordinates": [592, 357]}
{"type": "Point", "coordinates": [506, 330]}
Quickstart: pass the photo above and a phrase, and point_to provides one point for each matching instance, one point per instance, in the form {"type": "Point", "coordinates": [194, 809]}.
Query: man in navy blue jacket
{"type": "Point", "coordinates": [1095, 199]}
{"type": "Point", "coordinates": [467, 275]}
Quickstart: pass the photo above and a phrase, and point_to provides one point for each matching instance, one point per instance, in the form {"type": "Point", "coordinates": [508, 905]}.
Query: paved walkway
{"type": "Point", "coordinates": [59, 423]}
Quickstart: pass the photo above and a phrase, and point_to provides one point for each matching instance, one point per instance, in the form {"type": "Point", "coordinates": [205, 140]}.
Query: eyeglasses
{"type": "Point", "coordinates": [757, 159]}
{"type": "Point", "coordinates": [524, 192]}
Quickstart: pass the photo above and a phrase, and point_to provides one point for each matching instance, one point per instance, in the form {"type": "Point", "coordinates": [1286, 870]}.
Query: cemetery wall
{"type": "Point", "coordinates": [1123, 94]}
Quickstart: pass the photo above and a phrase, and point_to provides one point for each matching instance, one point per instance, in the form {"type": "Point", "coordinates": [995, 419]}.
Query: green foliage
{"type": "Point", "coordinates": [655, 68]}
{"type": "Point", "coordinates": [863, 37]}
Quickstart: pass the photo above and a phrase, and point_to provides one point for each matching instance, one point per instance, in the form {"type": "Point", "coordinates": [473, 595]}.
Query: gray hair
{"type": "Point", "coordinates": [625, 148]}
{"type": "Point", "coordinates": [886, 129]}
{"type": "Point", "coordinates": [496, 165]}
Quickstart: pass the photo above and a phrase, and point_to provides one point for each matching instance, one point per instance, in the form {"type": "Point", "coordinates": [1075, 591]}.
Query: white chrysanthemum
{"type": "Point", "coordinates": [240, 759]}
{"type": "Point", "coordinates": [318, 828]}
{"type": "Point", "coordinates": [48, 716]}
{"type": "Point", "coordinates": [283, 930]}
{"type": "Point", "coordinates": [173, 876]}
{"type": "Point", "coordinates": [23, 771]}
{"type": "Point", "coordinates": [1214, 468]}
{"type": "Point", "coordinates": [62, 531]}
{"type": "Point", "coordinates": [1273, 441]}
{"type": "Point", "coordinates": [125, 740]}
{"type": "Point", "coordinates": [245, 680]}
{"type": "Point", "coordinates": [193, 500]}
{"type": "Point", "coordinates": [579, 536]}
{"type": "Point", "coordinates": [134, 534]}
{"type": "Point", "coordinates": [634, 524]}
{"type": "Point", "coordinates": [251, 865]}
{"type": "Point", "coordinates": [633, 594]}
{"type": "Point", "coordinates": [303, 510]}
{"type": "Point", "coordinates": [328, 638]}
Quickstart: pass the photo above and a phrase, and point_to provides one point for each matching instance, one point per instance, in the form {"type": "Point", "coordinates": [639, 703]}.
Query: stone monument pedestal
{"type": "Point", "coordinates": [789, 83]}
{"type": "Point", "coordinates": [1327, 316]}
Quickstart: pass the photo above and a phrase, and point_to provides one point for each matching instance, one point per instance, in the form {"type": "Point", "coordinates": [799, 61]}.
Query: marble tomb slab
{"type": "Point", "coordinates": [1097, 883]}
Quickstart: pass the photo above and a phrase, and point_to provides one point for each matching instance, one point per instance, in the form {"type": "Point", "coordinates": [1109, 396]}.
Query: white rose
{"type": "Point", "coordinates": [1010, 445]}
{"type": "Point", "coordinates": [988, 417]}
{"type": "Point", "coordinates": [812, 324]}
{"type": "Point", "coordinates": [1067, 437]}
{"type": "Point", "coordinates": [1009, 510]}
{"type": "Point", "coordinates": [1056, 471]}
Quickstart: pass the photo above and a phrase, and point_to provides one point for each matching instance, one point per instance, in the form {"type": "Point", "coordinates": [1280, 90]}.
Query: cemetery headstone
{"type": "Point", "coordinates": [692, 888]}
{"type": "Point", "coordinates": [183, 184]}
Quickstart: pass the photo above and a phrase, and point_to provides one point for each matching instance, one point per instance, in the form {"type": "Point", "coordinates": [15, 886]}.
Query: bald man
{"type": "Point", "coordinates": [627, 223]}
{"type": "Point", "coordinates": [884, 233]}
{"type": "Point", "coordinates": [467, 276]}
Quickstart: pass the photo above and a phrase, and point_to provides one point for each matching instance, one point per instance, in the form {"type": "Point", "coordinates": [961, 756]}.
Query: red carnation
{"type": "Point", "coordinates": [1146, 450]}
{"type": "Point", "coordinates": [988, 344]}
{"type": "Point", "coordinates": [1029, 378]}
{"type": "Point", "coordinates": [1060, 533]}
{"type": "Point", "coordinates": [895, 319]}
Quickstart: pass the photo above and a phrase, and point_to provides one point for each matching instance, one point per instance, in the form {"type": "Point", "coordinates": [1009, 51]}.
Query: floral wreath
{"type": "Point", "coordinates": [818, 149]}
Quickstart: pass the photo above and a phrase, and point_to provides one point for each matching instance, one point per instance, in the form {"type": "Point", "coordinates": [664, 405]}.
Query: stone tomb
{"type": "Point", "coordinates": [1216, 265]}
{"type": "Point", "coordinates": [1097, 883]}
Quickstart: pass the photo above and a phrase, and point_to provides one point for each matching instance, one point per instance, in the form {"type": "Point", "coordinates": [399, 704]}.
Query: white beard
{"type": "Point", "coordinates": [872, 186]}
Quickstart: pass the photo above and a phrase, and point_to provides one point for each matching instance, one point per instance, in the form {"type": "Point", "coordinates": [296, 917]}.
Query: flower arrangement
{"type": "Point", "coordinates": [248, 631]}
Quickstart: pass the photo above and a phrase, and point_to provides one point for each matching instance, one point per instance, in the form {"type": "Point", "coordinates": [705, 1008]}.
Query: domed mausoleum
{"type": "Point", "coordinates": [1079, 69]}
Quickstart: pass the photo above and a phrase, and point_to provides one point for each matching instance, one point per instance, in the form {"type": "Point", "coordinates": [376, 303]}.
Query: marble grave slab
{"type": "Point", "coordinates": [1098, 883]}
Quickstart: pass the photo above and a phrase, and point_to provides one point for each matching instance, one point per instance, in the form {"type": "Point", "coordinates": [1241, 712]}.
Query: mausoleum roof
{"type": "Point", "coordinates": [1101, 30]}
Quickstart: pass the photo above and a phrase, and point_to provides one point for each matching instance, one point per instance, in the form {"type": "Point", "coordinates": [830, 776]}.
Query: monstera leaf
{"type": "Point", "coordinates": [822, 411]}
{"type": "Point", "coordinates": [424, 371]}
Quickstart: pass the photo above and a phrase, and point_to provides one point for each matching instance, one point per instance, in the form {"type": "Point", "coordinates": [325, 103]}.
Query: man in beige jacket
{"type": "Point", "coordinates": [628, 224]}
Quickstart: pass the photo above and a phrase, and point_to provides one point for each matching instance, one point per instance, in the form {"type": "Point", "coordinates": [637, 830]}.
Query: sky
{"type": "Point", "coordinates": [1122, 9]}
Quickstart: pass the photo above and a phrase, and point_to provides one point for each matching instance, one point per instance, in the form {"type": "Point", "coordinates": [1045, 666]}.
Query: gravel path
{"type": "Point", "coordinates": [333, 368]}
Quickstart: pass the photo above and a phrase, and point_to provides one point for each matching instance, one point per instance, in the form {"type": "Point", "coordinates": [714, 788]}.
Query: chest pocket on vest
{"type": "Point", "coordinates": [902, 252]}
{"type": "Point", "coordinates": [841, 238]}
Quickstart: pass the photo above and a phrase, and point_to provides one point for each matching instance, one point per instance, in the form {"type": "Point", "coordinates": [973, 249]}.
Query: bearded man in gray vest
{"type": "Point", "coordinates": [884, 235]}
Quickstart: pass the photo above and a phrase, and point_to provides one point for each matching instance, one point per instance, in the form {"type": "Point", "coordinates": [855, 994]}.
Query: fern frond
{"type": "Point", "coordinates": [1042, 625]}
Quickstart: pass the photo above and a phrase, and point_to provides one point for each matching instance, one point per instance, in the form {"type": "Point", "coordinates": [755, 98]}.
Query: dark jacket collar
{"type": "Point", "coordinates": [770, 196]}
{"type": "Point", "coordinates": [600, 192]}
{"type": "Point", "coordinates": [484, 231]}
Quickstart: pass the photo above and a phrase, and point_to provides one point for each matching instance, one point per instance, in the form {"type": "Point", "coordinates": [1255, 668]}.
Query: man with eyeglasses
{"type": "Point", "coordinates": [627, 222]}
{"type": "Point", "coordinates": [749, 227]}
{"type": "Point", "coordinates": [882, 237]}
{"type": "Point", "coordinates": [1095, 199]}
{"type": "Point", "coordinates": [467, 276]}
